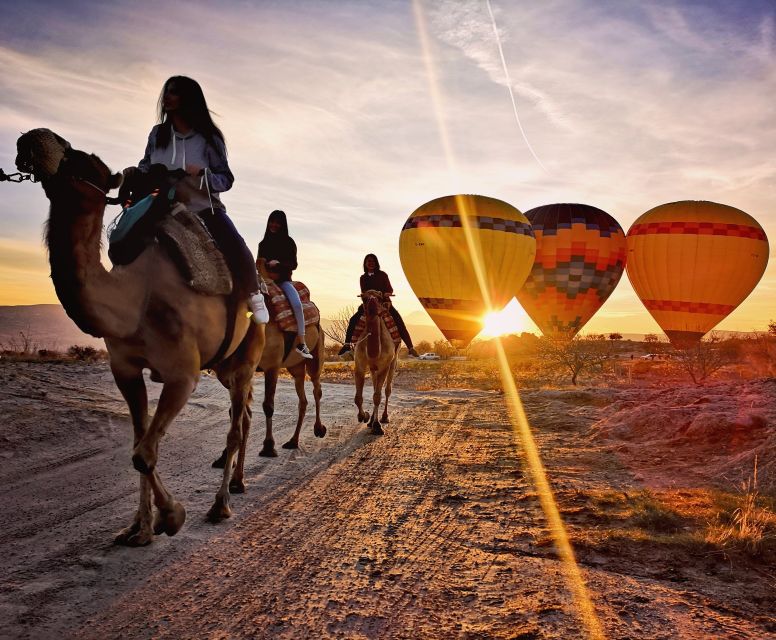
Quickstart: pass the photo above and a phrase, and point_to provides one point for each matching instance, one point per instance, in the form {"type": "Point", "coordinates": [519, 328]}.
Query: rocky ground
{"type": "Point", "coordinates": [431, 531]}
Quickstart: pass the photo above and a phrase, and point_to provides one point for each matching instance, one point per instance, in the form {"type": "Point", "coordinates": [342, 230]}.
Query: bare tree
{"type": "Point", "coordinates": [574, 356]}
{"type": "Point", "coordinates": [772, 328]}
{"type": "Point", "coordinates": [615, 336]}
{"type": "Point", "coordinates": [702, 360]}
{"type": "Point", "coordinates": [338, 325]}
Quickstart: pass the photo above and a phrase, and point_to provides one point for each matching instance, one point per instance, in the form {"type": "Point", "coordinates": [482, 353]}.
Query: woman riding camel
{"type": "Point", "coordinates": [187, 139]}
{"type": "Point", "coordinates": [375, 279]}
{"type": "Point", "coordinates": [278, 250]}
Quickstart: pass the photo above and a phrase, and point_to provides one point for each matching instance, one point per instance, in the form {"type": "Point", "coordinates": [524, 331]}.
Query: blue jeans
{"type": "Point", "coordinates": [296, 304]}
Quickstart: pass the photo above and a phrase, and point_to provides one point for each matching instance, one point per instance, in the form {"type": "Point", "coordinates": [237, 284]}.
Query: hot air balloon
{"type": "Point", "coordinates": [580, 257]}
{"type": "Point", "coordinates": [464, 256]}
{"type": "Point", "coordinates": [692, 262]}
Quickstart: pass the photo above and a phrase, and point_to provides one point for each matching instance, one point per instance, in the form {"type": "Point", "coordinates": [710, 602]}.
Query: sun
{"type": "Point", "coordinates": [511, 319]}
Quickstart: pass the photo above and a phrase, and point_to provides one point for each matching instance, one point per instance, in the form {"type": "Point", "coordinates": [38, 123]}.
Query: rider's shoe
{"type": "Point", "coordinates": [257, 305]}
{"type": "Point", "coordinates": [346, 348]}
{"type": "Point", "coordinates": [303, 351]}
{"type": "Point", "coordinates": [411, 351]}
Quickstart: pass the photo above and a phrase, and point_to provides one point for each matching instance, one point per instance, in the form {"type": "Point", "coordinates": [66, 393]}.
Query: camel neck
{"type": "Point", "coordinates": [96, 300]}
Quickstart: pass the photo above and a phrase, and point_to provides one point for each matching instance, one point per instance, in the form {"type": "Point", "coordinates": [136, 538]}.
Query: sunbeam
{"type": "Point", "coordinates": [518, 418]}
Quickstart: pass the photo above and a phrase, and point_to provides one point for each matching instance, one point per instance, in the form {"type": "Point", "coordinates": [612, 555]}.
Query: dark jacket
{"type": "Point", "coordinates": [279, 246]}
{"type": "Point", "coordinates": [378, 281]}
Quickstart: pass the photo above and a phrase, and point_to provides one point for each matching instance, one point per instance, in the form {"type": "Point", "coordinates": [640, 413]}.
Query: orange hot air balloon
{"type": "Point", "coordinates": [580, 257]}
{"type": "Point", "coordinates": [454, 247]}
{"type": "Point", "coordinates": [693, 262]}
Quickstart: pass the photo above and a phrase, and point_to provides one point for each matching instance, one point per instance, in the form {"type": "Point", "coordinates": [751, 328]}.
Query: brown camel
{"type": "Point", "coordinates": [380, 353]}
{"type": "Point", "coordinates": [150, 319]}
{"type": "Point", "coordinates": [277, 356]}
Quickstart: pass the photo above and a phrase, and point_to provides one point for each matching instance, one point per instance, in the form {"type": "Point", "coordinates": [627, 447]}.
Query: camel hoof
{"type": "Point", "coordinates": [170, 521]}
{"type": "Point", "coordinates": [220, 463]}
{"type": "Point", "coordinates": [236, 486]}
{"type": "Point", "coordinates": [377, 429]}
{"type": "Point", "coordinates": [384, 419]}
{"type": "Point", "coordinates": [220, 510]}
{"type": "Point", "coordinates": [268, 450]}
{"type": "Point", "coordinates": [319, 430]}
{"type": "Point", "coordinates": [125, 535]}
{"type": "Point", "coordinates": [291, 444]}
{"type": "Point", "coordinates": [138, 461]}
{"type": "Point", "coordinates": [363, 417]}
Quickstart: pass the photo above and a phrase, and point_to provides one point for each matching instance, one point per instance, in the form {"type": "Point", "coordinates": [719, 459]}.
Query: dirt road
{"type": "Point", "coordinates": [432, 531]}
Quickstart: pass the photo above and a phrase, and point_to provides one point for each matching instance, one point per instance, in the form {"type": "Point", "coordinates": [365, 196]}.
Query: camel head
{"type": "Point", "coordinates": [48, 156]}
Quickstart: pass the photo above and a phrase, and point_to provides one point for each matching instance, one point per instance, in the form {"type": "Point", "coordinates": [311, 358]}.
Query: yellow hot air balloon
{"type": "Point", "coordinates": [693, 262]}
{"type": "Point", "coordinates": [465, 256]}
{"type": "Point", "coordinates": [580, 257]}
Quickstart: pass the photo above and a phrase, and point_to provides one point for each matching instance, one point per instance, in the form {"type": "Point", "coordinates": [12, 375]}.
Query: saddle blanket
{"type": "Point", "coordinates": [390, 323]}
{"type": "Point", "coordinates": [280, 310]}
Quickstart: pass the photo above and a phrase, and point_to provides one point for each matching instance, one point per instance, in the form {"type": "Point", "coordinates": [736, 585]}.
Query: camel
{"type": "Point", "coordinates": [150, 319]}
{"type": "Point", "coordinates": [273, 359]}
{"type": "Point", "coordinates": [380, 353]}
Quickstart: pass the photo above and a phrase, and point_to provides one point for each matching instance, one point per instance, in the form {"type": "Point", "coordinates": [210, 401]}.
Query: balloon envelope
{"type": "Point", "coordinates": [692, 262]}
{"type": "Point", "coordinates": [464, 256]}
{"type": "Point", "coordinates": [580, 257]}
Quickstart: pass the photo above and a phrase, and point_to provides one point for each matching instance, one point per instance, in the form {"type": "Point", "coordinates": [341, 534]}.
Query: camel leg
{"type": "Point", "coordinates": [132, 387]}
{"type": "Point", "coordinates": [378, 378]}
{"type": "Point", "coordinates": [314, 371]}
{"type": "Point", "coordinates": [270, 384]}
{"type": "Point", "coordinates": [172, 399]}
{"type": "Point", "coordinates": [298, 371]}
{"type": "Point", "coordinates": [359, 400]}
{"type": "Point", "coordinates": [239, 397]}
{"type": "Point", "coordinates": [388, 389]}
{"type": "Point", "coordinates": [237, 484]}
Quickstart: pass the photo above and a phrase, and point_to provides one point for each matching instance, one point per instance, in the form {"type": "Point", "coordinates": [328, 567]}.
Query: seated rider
{"type": "Point", "coordinates": [278, 250]}
{"type": "Point", "coordinates": [375, 279]}
{"type": "Point", "coordinates": [187, 139]}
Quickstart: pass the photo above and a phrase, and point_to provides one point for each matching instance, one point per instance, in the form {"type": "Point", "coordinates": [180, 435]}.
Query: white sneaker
{"type": "Point", "coordinates": [303, 351]}
{"type": "Point", "coordinates": [259, 308]}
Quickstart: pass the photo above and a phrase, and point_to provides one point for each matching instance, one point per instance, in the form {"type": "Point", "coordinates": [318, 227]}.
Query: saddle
{"type": "Point", "coordinates": [280, 310]}
{"type": "Point", "coordinates": [390, 324]}
{"type": "Point", "coordinates": [156, 218]}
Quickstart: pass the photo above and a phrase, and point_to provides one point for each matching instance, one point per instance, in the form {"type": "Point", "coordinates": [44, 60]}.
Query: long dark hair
{"type": "Point", "coordinates": [374, 257]}
{"type": "Point", "coordinates": [193, 109]}
{"type": "Point", "coordinates": [278, 216]}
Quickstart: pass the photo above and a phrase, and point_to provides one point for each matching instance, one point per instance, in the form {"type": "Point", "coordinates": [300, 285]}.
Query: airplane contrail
{"type": "Point", "coordinates": [509, 86]}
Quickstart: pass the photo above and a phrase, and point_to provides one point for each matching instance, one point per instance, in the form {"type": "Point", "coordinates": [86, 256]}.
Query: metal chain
{"type": "Point", "coordinates": [16, 177]}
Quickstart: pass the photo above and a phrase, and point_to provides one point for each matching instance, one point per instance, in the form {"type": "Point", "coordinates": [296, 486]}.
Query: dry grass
{"type": "Point", "coordinates": [749, 524]}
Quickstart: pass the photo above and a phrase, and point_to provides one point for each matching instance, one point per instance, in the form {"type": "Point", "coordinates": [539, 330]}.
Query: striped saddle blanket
{"type": "Point", "coordinates": [390, 323]}
{"type": "Point", "coordinates": [280, 310]}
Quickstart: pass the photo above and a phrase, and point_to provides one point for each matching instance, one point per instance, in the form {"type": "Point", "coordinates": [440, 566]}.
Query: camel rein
{"type": "Point", "coordinates": [22, 177]}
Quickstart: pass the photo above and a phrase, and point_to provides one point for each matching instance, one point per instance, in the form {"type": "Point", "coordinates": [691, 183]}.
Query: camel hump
{"type": "Point", "coordinates": [280, 310]}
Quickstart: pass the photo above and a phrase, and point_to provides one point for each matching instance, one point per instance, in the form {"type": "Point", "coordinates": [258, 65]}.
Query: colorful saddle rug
{"type": "Point", "coordinates": [280, 310]}
{"type": "Point", "coordinates": [390, 323]}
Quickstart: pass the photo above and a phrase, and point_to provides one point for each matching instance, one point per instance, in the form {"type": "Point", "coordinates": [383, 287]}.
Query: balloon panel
{"type": "Point", "coordinates": [692, 263]}
{"type": "Point", "coordinates": [445, 242]}
{"type": "Point", "coordinates": [580, 257]}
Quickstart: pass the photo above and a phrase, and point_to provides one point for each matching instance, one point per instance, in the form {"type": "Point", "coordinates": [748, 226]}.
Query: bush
{"type": "Point", "coordinates": [82, 353]}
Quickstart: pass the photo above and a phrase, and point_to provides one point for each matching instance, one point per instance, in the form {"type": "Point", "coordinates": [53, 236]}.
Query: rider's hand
{"type": "Point", "coordinates": [273, 263]}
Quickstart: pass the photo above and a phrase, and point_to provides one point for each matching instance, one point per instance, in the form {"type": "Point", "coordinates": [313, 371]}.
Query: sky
{"type": "Point", "coordinates": [329, 114]}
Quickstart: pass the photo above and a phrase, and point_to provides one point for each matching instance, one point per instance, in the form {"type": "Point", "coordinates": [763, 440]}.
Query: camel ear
{"type": "Point", "coordinates": [115, 181]}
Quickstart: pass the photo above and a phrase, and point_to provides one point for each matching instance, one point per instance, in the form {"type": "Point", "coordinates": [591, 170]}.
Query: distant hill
{"type": "Point", "coordinates": [41, 326]}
